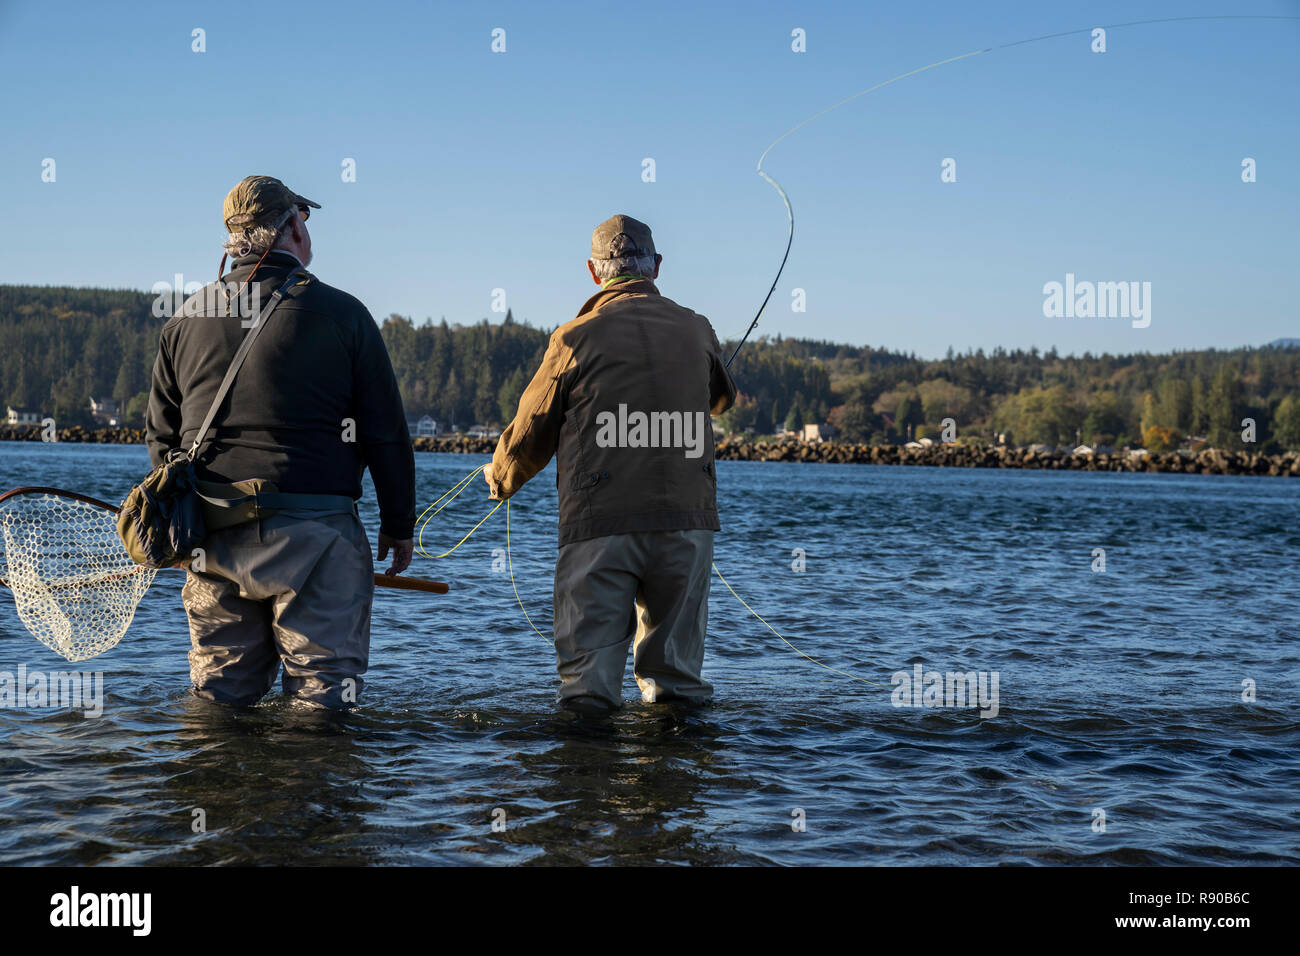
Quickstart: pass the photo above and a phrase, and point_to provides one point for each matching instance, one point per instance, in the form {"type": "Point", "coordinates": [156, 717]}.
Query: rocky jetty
{"type": "Point", "coordinates": [458, 445]}
{"type": "Point", "coordinates": [76, 434]}
{"type": "Point", "coordinates": [1211, 461]}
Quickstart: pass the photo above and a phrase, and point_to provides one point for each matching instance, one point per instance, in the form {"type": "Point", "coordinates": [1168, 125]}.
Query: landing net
{"type": "Point", "coordinates": [74, 585]}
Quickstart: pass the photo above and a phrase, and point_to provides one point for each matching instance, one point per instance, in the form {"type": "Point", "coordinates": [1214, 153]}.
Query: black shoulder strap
{"type": "Point", "coordinates": [258, 323]}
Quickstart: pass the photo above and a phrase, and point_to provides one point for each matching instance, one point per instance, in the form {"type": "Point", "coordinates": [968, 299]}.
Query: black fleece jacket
{"type": "Point", "coordinates": [319, 364]}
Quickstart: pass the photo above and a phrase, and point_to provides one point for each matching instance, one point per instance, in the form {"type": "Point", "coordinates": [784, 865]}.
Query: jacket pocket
{"type": "Point", "coordinates": [574, 477]}
{"type": "Point", "coordinates": [586, 480]}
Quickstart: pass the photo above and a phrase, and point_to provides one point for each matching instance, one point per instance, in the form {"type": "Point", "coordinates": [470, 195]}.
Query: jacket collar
{"type": "Point", "coordinates": [637, 286]}
{"type": "Point", "coordinates": [275, 259]}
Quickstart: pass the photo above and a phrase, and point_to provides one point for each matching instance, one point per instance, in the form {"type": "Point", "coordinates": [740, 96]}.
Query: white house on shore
{"type": "Point", "coordinates": [424, 427]}
{"type": "Point", "coordinates": [22, 416]}
{"type": "Point", "coordinates": [815, 433]}
{"type": "Point", "coordinates": [105, 411]}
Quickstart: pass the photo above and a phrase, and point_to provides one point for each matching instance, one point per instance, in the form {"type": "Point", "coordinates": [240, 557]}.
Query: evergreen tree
{"type": "Point", "coordinates": [794, 420]}
{"type": "Point", "coordinates": [1222, 408]}
{"type": "Point", "coordinates": [1286, 422]}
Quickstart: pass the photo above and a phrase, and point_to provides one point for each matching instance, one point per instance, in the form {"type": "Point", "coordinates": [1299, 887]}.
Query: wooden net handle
{"type": "Point", "coordinates": [410, 584]}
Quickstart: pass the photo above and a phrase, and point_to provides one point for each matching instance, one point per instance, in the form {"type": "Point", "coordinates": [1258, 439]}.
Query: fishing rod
{"type": "Point", "coordinates": [1050, 36]}
{"type": "Point", "coordinates": [788, 243]}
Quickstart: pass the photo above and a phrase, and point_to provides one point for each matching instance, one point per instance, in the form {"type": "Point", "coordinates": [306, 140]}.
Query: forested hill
{"type": "Point", "coordinates": [60, 346]}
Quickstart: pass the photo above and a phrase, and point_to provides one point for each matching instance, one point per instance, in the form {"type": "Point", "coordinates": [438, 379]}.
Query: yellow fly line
{"type": "Point", "coordinates": [455, 490]}
{"type": "Point", "coordinates": [833, 670]}
{"type": "Point", "coordinates": [447, 498]}
{"type": "Point", "coordinates": [511, 564]}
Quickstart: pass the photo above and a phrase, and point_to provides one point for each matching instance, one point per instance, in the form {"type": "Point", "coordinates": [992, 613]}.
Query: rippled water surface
{"type": "Point", "coordinates": [1119, 692]}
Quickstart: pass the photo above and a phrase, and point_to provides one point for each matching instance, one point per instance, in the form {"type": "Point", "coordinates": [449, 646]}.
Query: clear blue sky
{"type": "Point", "coordinates": [478, 170]}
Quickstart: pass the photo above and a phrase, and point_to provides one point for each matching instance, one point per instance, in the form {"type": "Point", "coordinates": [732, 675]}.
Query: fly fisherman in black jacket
{"type": "Point", "coordinates": [314, 404]}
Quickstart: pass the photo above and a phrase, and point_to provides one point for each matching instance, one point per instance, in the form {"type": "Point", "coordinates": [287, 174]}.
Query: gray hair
{"type": "Point", "coordinates": [256, 239]}
{"type": "Point", "coordinates": [625, 266]}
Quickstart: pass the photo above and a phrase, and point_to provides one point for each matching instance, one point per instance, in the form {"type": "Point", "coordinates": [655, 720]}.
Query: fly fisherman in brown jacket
{"type": "Point", "coordinates": [623, 397]}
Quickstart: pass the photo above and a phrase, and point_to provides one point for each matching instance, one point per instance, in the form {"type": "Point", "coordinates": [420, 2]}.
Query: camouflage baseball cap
{"type": "Point", "coordinates": [256, 199]}
{"type": "Point", "coordinates": [621, 236]}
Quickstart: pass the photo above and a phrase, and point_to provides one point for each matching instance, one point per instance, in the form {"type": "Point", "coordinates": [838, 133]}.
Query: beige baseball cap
{"type": "Point", "coordinates": [259, 199]}
{"type": "Point", "coordinates": [621, 237]}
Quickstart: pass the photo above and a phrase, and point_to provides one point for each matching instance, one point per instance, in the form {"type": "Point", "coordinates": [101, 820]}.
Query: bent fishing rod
{"type": "Point", "coordinates": [1050, 36]}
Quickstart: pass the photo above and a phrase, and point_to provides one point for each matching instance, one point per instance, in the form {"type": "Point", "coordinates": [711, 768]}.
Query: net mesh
{"type": "Point", "coordinates": [75, 587]}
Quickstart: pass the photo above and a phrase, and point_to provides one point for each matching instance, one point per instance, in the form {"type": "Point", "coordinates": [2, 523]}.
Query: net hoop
{"type": "Point", "coordinates": [75, 588]}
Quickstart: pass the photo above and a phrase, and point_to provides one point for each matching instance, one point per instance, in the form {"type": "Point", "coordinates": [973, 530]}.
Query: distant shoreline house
{"type": "Point", "coordinates": [816, 433]}
{"type": "Point", "coordinates": [22, 416]}
{"type": "Point", "coordinates": [424, 427]}
{"type": "Point", "coordinates": [483, 431]}
{"type": "Point", "coordinates": [106, 411]}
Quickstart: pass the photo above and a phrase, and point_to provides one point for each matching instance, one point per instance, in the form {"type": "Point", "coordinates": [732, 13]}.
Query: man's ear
{"type": "Point", "coordinates": [592, 269]}
{"type": "Point", "coordinates": [658, 261]}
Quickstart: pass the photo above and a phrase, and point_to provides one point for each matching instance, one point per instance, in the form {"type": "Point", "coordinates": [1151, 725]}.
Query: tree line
{"type": "Point", "coordinates": [60, 346]}
{"type": "Point", "coordinates": [1235, 398]}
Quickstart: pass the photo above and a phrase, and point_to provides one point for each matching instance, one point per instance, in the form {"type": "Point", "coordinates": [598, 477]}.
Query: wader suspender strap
{"type": "Point", "coordinates": [262, 316]}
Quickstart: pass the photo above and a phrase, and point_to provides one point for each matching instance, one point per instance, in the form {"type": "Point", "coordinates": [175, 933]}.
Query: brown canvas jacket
{"type": "Point", "coordinates": [624, 397]}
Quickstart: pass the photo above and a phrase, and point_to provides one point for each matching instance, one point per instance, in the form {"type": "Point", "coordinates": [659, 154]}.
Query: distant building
{"type": "Point", "coordinates": [22, 416]}
{"type": "Point", "coordinates": [424, 427]}
{"type": "Point", "coordinates": [105, 411]}
{"type": "Point", "coordinates": [483, 431]}
{"type": "Point", "coordinates": [822, 432]}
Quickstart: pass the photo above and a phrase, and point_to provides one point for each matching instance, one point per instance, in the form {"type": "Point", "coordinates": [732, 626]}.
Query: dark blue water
{"type": "Point", "coordinates": [1119, 692]}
